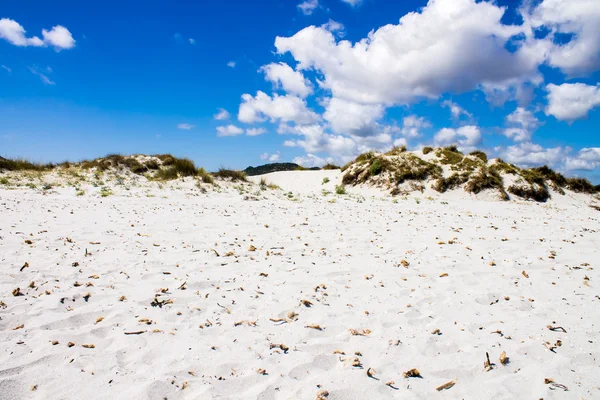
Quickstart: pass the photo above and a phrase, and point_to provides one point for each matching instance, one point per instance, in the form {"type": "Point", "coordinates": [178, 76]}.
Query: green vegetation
{"type": "Point", "coordinates": [396, 150]}
{"type": "Point", "coordinates": [449, 155]}
{"type": "Point", "coordinates": [479, 154]}
{"type": "Point", "coordinates": [3, 181]}
{"type": "Point", "coordinates": [20, 164]}
{"type": "Point", "coordinates": [330, 167]}
{"type": "Point", "coordinates": [232, 175]}
{"type": "Point", "coordinates": [453, 181]}
{"type": "Point", "coordinates": [340, 189]}
{"type": "Point", "coordinates": [105, 192]}
{"type": "Point", "coordinates": [486, 179]}
{"type": "Point", "coordinates": [427, 150]}
{"type": "Point", "coordinates": [325, 180]}
{"type": "Point", "coordinates": [533, 192]}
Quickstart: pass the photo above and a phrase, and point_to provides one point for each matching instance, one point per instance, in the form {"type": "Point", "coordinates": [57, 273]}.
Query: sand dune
{"type": "Point", "coordinates": [243, 293]}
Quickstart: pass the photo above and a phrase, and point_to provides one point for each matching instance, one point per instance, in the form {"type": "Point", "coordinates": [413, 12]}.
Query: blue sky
{"type": "Point", "coordinates": [337, 77]}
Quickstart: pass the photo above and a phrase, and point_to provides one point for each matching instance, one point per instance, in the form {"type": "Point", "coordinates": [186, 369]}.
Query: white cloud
{"type": "Point", "coordinates": [222, 115]}
{"type": "Point", "coordinates": [571, 101]}
{"type": "Point", "coordinates": [192, 41]}
{"type": "Point", "coordinates": [466, 138]}
{"type": "Point", "coordinates": [229, 130]}
{"type": "Point", "coordinates": [456, 110]}
{"type": "Point", "coordinates": [286, 108]}
{"type": "Point", "coordinates": [59, 37]}
{"type": "Point", "coordinates": [43, 77]}
{"type": "Point", "coordinates": [587, 159]}
{"type": "Point", "coordinates": [521, 125]}
{"type": "Point", "coordinates": [413, 126]}
{"type": "Point", "coordinates": [350, 117]}
{"type": "Point", "coordinates": [581, 18]}
{"type": "Point", "coordinates": [335, 27]}
{"type": "Point", "coordinates": [6, 68]}
{"type": "Point", "coordinates": [270, 157]}
{"type": "Point", "coordinates": [353, 3]}
{"type": "Point", "coordinates": [454, 46]}
{"type": "Point", "coordinates": [282, 75]}
{"type": "Point", "coordinates": [185, 126]}
{"type": "Point", "coordinates": [311, 160]}
{"type": "Point", "coordinates": [530, 154]}
{"type": "Point", "coordinates": [308, 6]}
{"type": "Point", "coordinates": [231, 64]}
{"type": "Point", "coordinates": [14, 33]}
{"type": "Point", "coordinates": [255, 131]}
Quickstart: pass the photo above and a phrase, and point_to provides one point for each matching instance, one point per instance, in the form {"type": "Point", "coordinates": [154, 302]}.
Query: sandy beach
{"type": "Point", "coordinates": [238, 293]}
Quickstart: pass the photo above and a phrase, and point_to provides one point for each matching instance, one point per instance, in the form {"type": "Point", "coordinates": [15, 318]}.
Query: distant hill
{"type": "Point", "coordinates": [275, 167]}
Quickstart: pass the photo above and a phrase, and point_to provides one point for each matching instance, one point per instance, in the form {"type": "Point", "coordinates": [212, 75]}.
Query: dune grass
{"type": "Point", "coordinates": [232, 175]}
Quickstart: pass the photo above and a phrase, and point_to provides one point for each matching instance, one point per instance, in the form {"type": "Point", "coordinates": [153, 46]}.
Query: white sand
{"type": "Point", "coordinates": [352, 244]}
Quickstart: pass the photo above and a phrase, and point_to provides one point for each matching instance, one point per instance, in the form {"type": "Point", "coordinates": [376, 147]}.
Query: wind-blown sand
{"type": "Point", "coordinates": [176, 293]}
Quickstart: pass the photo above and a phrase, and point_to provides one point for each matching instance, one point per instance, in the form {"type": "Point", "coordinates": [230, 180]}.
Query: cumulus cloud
{"type": "Point", "coordinates": [270, 157]}
{"type": "Point", "coordinates": [580, 18]}
{"type": "Point", "coordinates": [231, 64]}
{"type": "Point", "coordinates": [530, 154]}
{"type": "Point", "coordinates": [521, 125]}
{"type": "Point", "coordinates": [587, 159]}
{"type": "Point", "coordinates": [222, 115]}
{"type": "Point", "coordinates": [311, 160]}
{"type": "Point", "coordinates": [353, 3]}
{"type": "Point", "coordinates": [456, 110]}
{"type": "Point", "coordinates": [335, 27]}
{"type": "Point", "coordinates": [307, 7]}
{"type": "Point", "coordinates": [282, 75]}
{"type": "Point", "coordinates": [229, 130]}
{"type": "Point", "coordinates": [466, 138]}
{"type": "Point", "coordinates": [454, 46]}
{"type": "Point", "coordinates": [59, 37]}
{"type": "Point", "coordinates": [286, 108]}
{"type": "Point", "coordinates": [185, 126]}
{"type": "Point", "coordinates": [413, 125]}
{"type": "Point", "coordinates": [571, 101]}
{"type": "Point", "coordinates": [350, 117]}
{"type": "Point", "coordinates": [255, 131]}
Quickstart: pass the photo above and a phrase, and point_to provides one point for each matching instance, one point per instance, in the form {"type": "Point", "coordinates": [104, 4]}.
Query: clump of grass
{"type": "Point", "coordinates": [486, 179]}
{"type": "Point", "coordinates": [185, 167]}
{"type": "Point", "coordinates": [325, 180]}
{"type": "Point", "coordinates": [427, 149]}
{"type": "Point", "coordinates": [4, 181]}
{"type": "Point", "coordinates": [20, 164]}
{"type": "Point", "coordinates": [396, 150]}
{"type": "Point", "coordinates": [504, 167]}
{"type": "Point", "coordinates": [479, 154]}
{"type": "Point", "coordinates": [105, 192]}
{"type": "Point", "coordinates": [376, 167]}
{"type": "Point", "coordinates": [166, 174]}
{"type": "Point", "coordinates": [453, 181]}
{"type": "Point", "coordinates": [340, 189]}
{"type": "Point", "coordinates": [152, 165]}
{"type": "Point", "coordinates": [232, 175]}
{"type": "Point", "coordinates": [415, 168]}
{"type": "Point", "coordinates": [449, 155]}
{"type": "Point", "coordinates": [205, 176]}
{"type": "Point", "coordinates": [531, 192]}
{"type": "Point", "coordinates": [330, 167]}
{"type": "Point", "coordinates": [581, 185]}
{"type": "Point", "coordinates": [166, 159]}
